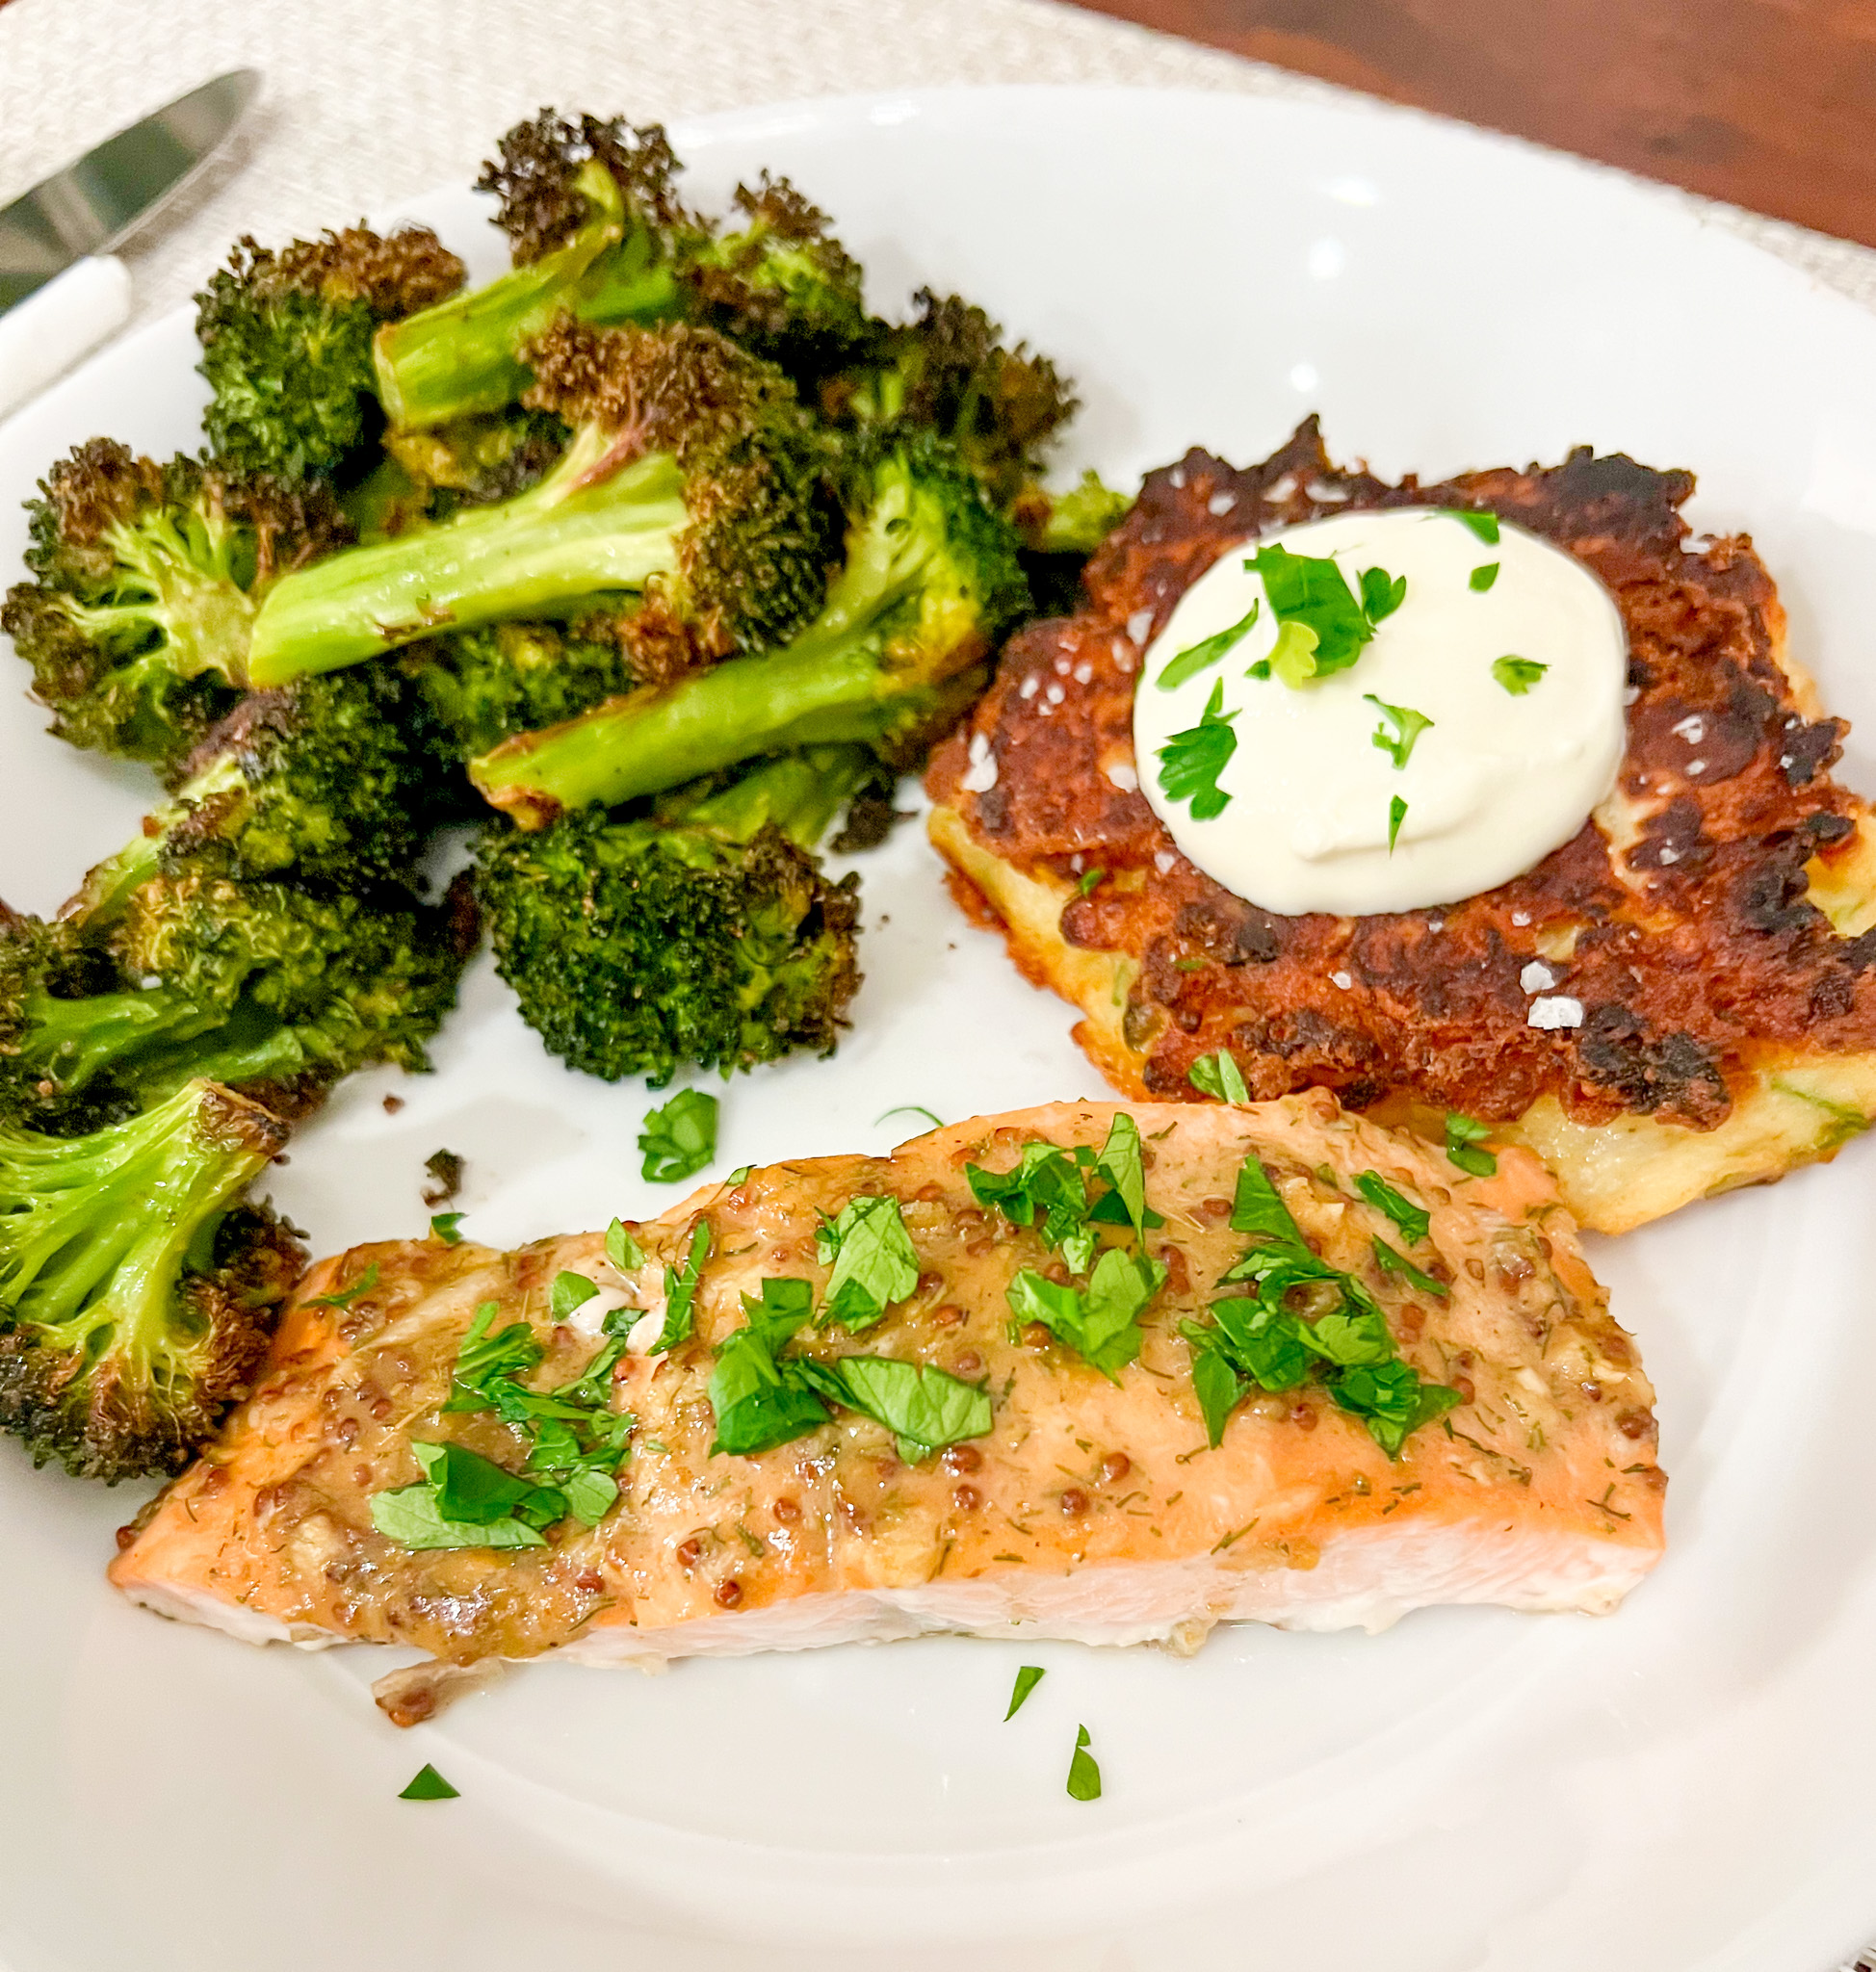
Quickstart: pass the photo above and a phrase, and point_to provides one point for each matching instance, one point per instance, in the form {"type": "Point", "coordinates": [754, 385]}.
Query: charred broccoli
{"type": "Point", "coordinates": [929, 584]}
{"type": "Point", "coordinates": [704, 934]}
{"type": "Point", "coordinates": [191, 974]}
{"type": "Point", "coordinates": [148, 580]}
{"type": "Point", "coordinates": [1060, 530]}
{"type": "Point", "coordinates": [481, 687]}
{"type": "Point", "coordinates": [687, 512]}
{"type": "Point", "coordinates": [592, 221]}
{"type": "Point", "coordinates": [287, 345]}
{"type": "Point", "coordinates": [135, 1289]}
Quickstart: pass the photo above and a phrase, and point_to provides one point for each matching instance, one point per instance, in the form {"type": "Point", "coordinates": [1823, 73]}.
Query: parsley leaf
{"type": "Point", "coordinates": [1408, 725]}
{"type": "Point", "coordinates": [1464, 1135]}
{"type": "Point", "coordinates": [1090, 880]}
{"type": "Point", "coordinates": [429, 1786]}
{"type": "Point", "coordinates": [679, 1139]}
{"type": "Point", "coordinates": [1218, 1076]}
{"type": "Point", "coordinates": [1517, 674]}
{"type": "Point", "coordinates": [1101, 1322]}
{"type": "Point", "coordinates": [1312, 591]}
{"type": "Point", "coordinates": [1083, 1774]}
{"type": "Point", "coordinates": [1291, 658]}
{"type": "Point", "coordinates": [1027, 1680]}
{"type": "Point", "coordinates": [1483, 577]}
{"type": "Point", "coordinates": [923, 1408]}
{"type": "Point", "coordinates": [1258, 1208]}
{"type": "Point", "coordinates": [681, 1293]}
{"type": "Point", "coordinates": [443, 1225]}
{"type": "Point", "coordinates": [1382, 594]}
{"type": "Point", "coordinates": [874, 1262]}
{"type": "Point", "coordinates": [1049, 1184]}
{"type": "Point", "coordinates": [912, 1109]}
{"type": "Point", "coordinates": [464, 1500]}
{"type": "Point", "coordinates": [1194, 759]}
{"type": "Point", "coordinates": [569, 1292]}
{"type": "Point", "coordinates": [1190, 663]}
{"type": "Point", "coordinates": [1414, 1223]}
{"type": "Point", "coordinates": [1122, 1164]}
{"type": "Point", "coordinates": [1396, 815]}
{"type": "Point", "coordinates": [1391, 1401]}
{"type": "Point", "coordinates": [622, 1251]}
{"type": "Point", "coordinates": [760, 1402]}
{"type": "Point", "coordinates": [1216, 1384]}
{"type": "Point", "coordinates": [1484, 525]}
{"type": "Point", "coordinates": [360, 1287]}
{"type": "Point", "coordinates": [1392, 1262]}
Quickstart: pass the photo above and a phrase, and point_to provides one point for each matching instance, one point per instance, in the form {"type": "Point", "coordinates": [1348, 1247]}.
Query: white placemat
{"type": "Point", "coordinates": [371, 101]}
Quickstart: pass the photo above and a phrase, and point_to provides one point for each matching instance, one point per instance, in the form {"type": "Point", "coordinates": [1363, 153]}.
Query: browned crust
{"type": "Point", "coordinates": [1681, 919]}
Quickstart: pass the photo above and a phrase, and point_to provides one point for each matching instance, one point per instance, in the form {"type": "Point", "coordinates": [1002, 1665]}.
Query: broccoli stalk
{"type": "Point", "coordinates": [705, 934]}
{"type": "Point", "coordinates": [135, 1292]}
{"type": "Point", "coordinates": [149, 580]}
{"type": "Point", "coordinates": [929, 584]}
{"type": "Point", "coordinates": [688, 495]}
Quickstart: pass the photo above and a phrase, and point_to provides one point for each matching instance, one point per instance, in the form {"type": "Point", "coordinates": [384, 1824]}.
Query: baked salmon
{"type": "Point", "coordinates": [1051, 1457]}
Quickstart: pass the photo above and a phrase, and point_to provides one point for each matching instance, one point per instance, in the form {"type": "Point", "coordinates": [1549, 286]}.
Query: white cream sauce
{"type": "Point", "coordinates": [1491, 786]}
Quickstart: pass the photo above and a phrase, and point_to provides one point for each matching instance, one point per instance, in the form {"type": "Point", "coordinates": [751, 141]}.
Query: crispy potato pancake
{"type": "Point", "coordinates": [1713, 918]}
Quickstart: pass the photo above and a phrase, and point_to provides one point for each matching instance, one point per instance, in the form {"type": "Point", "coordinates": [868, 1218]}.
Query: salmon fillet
{"type": "Point", "coordinates": [1715, 920]}
{"type": "Point", "coordinates": [1092, 1509]}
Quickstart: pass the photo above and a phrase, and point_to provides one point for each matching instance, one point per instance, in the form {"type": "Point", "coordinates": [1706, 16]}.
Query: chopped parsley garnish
{"type": "Point", "coordinates": [1258, 1341]}
{"type": "Point", "coordinates": [465, 1500]}
{"type": "Point", "coordinates": [1517, 674]}
{"type": "Point", "coordinates": [1396, 815]}
{"type": "Point", "coordinates": [360, 1287]}
{"type": "Point", "coordinates": [429, 1786]}
{"type": "Point", "coordinates": [622, 1251]}
{"type": "Point", "coordinates": [1089, 878]}
{"type": "Point", "coordinates": [570, 1290]}
{"type": "Point", "coordinates": [1464, 1135]}
{"type": "Point", "coordinates": [760, 1401]}
{"type": "Point", "coordinates": [1376, 1190]}
{"type": "Point", "coordinates": [1408, 726]}
{"type": "Point", "coordinates": [1392, 1262]}
{"type": "Point", "coordinates": [679, 1139]}
{"type": "Point", "coordinates": [1483, 577]}
{"type": "Point", "coordinates": [1083, 1774]}
{"type": "Point", "coordinates": [1101, 1322]}
{"type": "Point", "coordinates": [923, 1408]}
{"type": "Point", "coordinates": [1312, 592]}
{"type": "Point", "coordinates": [1218, 1076]}
{"type": "Point", "coordinates": [1190, 663]}
{"type": "Point", "coordinates": [1049, 1186]}
{"type": "Point", "coordinates": [912, 1109]}
{"type": "Point", "coordinates": [681, 1293]}
{"type": "Point", "coordinates": [874, 1262]}
{"type": "Point", "coordinates": [1027, 1679]}
{"type": "Point", "coordinates": [1484, 525]}
{"type": "Point", "coordinates": [443, 1225]}
{"type": "Point", "coordinates": [1382, 594]}
{"type": "Point", "coordinates": [1292, 658]}
{"type": "Point", "coordinates": [1194, 759]}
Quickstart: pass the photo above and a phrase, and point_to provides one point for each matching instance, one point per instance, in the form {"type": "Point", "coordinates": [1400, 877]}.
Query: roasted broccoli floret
{"type": "Point", "coordinates": [193, 974]}
{"type": "Point", "coordinates": [707, 934]}
{"type": "Point", "coordinates": [687, 508]}
{"type": "Point", "coordinates": [325, 779]}
{"type": "Point", "coordinates": [593, 223]}
{"type": "Point", "coordinates": [287, 345]}
{"type": "Point", "coordinates": [949, 373]}
{"type": "Point", "coordinates": [148, 579]}
{"type": "Point", "coordinates": [1060, 530]}
{"type": "Point", "coordinates": [929, 584]}
{"type": "Point", "coordinates": [136, 1290]}
{"type": "Point", "coordinates": [481, 687]}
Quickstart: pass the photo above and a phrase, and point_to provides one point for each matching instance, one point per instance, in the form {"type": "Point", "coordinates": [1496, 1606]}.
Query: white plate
{"type": "Point", "coordinates": [1685, 1786]}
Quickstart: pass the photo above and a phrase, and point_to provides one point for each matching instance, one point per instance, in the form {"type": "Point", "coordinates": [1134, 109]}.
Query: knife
{"type": "Point", "coordinates": [60, 296]}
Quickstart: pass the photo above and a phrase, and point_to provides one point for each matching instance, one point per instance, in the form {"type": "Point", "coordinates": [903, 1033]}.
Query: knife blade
{"type": "Point", "coordinates": [90, 205]}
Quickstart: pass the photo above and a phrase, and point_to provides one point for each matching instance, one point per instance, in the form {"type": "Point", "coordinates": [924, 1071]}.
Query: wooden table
{"type": "Point", "coordinates": [1769, 103]}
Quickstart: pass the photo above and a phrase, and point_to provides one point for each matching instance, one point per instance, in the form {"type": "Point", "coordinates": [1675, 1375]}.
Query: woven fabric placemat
{"type": "Point", "coordinates": [368, 102]}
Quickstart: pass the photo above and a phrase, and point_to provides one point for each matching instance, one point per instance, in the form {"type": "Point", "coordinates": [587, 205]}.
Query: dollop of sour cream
{"type": "Point", "coordinates": [1506, 766]}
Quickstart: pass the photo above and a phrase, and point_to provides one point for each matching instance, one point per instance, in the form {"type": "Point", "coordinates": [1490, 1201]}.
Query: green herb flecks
{"type": "Point", "coordinates": [873, 1260]}
{"type": "Point", "coordinates": [622, 1251]}
{"type": "Point", "coordinates": [1392, 1262]}
{"type": "Point", "coordinates": [1027, 1679]}
{"type": "Point", "coordinates": [681, 1293]}
{"type": "Point", "coordinates": [1463, 1137]}
{"type": "Point", "coordinates": [1408, 726]}
{"type": "Point", "coordinates": [1083, 1774]}
{"type": "Point", "coordinates": [345, 1297]}
{"type": "Point", "coordinates": [1484, 525]}
{"type": "Point", "coordinates": [1396, 815]}
{"type": "Point", "coordinates": [1048, 1187]}
{"type": "Point", "coordinates": [1218, 1076]}
{"type": "Point", "coordinates": [1482, 576]}
{"type": "Point", "coordinates": [1376, 1190]}
{"type": "Point", "coordinates": [1101, 1322]}
{"type": "Point", "coordinates": [679, 1139]}
{"type": "Point", "coordinates": [465, 1500]}
{"type": "Point", "coordinates": [429, 1786]}
{"type": "Point", "coordinates": [444, 1226]}
{"type": "Point", "coordinates": [1312, 592]}
{"type": "Point", "coordinates": [923, 1408]}
{"type": "Point", "coordinates": [1382, 594]}
{"type": "Point", "coordinates": [759, 1400]}
{"type": "Point", "coordinates": [1517, 674]}
{"type": "Point", "coordinates": [570, 1290]}
{"type": "Point", "coordinates": [912, 1109]}
{"type": "Point", "coordinates": [1193, 760]}
{"type": "Point", "coordinates": [1088, 882]}
{"type": "Point", "coordinates": [1190, 663]}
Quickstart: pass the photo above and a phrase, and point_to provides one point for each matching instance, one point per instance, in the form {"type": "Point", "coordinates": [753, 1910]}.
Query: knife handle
{"type": "Point", "coordinates": [42, 337]}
